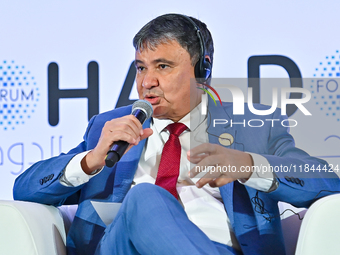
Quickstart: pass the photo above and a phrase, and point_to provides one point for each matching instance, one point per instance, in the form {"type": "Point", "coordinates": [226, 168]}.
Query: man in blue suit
{"type": "Point", "coordinates": [223, 211]}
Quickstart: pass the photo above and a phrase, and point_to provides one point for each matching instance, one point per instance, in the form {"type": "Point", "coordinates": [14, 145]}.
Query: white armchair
{"type": "Point", "coordinates": [35, 229]}
{"type": "Point", "coordinates": [320, 229]}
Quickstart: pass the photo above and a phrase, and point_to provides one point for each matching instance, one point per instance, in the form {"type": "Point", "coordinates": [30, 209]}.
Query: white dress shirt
{"type": "Point", "coordinates": [204, 206]}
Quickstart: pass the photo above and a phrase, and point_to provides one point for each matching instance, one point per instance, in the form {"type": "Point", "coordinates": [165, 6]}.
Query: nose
{"type": "Point", "coordinates": [149, 80]}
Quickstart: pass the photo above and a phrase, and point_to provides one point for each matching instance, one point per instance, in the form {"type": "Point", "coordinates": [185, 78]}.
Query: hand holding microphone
{"type": "Point", "coordinates": [116, 136]}
{"type": "Point", "coordinates": [142, 110]}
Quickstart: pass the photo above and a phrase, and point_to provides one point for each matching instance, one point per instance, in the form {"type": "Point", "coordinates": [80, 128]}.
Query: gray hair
{"type": "Point", "coordinates": [168, 27]}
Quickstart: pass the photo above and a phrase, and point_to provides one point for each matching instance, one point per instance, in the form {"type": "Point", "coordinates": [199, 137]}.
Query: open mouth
{"type": "Point", "coordinates": [152, 99]}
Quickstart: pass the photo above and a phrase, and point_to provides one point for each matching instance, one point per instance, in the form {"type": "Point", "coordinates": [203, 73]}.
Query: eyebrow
{"type": "Point", "coordinates": [156, 61]}
{"type": "Point", "coordinates": [163, 60]}
{"type": "Point", "coordinates": [137, 61]}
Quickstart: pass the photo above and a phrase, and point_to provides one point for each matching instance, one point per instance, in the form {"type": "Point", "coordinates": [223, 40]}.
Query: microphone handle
{"type": "Point", "coordinates": [118, 148]}
{"type": "Point", "coordinates": [116, 152]}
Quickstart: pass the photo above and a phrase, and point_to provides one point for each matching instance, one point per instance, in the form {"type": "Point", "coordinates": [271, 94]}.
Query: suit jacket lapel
{"type": "Point", "coordinates": [219, 112]}
{"type": "Point", "coordinates": [126, 169]}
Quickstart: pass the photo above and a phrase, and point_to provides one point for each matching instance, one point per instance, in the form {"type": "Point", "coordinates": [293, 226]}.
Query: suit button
{"type": "Point", "coordinates": [295, 180]}
{"type": "Point", "coordinates": [288, 179]}
{"type": "Point", "coordinates": [301, 182]}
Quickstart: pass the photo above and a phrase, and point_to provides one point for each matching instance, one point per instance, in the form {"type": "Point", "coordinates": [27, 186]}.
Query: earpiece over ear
{"type": "Point", "coordinates": [203, 65]}
{"type": "Point", "coordinates": [203, 69]}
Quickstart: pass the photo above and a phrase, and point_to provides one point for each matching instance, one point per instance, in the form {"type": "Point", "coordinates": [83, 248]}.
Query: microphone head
{"type": "Point", "coordinates": [143, 105]}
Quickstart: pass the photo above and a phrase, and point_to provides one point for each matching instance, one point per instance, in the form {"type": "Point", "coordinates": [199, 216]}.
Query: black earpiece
{"type": "Point", "coordinates": [203, 66]}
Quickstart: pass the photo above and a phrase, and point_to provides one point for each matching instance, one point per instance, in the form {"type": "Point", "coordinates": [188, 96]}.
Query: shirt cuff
{"type": "Point", "coordinates": [74, 175]}
{"type": "Point", "coordinates": [261, 179]}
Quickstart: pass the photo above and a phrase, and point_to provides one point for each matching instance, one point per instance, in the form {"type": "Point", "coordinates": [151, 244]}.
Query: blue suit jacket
{"type": "Point", "coordinates": [254, 215]}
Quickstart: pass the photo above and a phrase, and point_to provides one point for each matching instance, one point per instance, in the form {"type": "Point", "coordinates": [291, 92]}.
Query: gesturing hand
{"type": "Point", "coordinates": [221, 165]}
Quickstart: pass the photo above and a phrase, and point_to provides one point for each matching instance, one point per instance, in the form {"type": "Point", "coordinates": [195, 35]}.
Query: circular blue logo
{"type": "Point", "coordinates": [19, 95]}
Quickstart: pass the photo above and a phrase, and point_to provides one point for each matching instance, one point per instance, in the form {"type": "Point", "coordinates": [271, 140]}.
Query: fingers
{"type": "Point", "coordinates": [215, 176]}
{"type": "Point", "coordinates": [205, 165]}
{"type": "Point", "coordinates": [203, 149]}
{"type": "Point", "coordinates": [197, 154]}
{"type": "Point", "coordinates": [218, 165]}
{"type": "Point", "coordinates": [214, 183]}
{"type": "Point", "coordinates": [127, 128]}
{"type": "Point", "coordinates": [218, 182]}
{"type": "Point", "coordinates": [212, 173]}
{"type": "Point", "coordinates": [146, 133]}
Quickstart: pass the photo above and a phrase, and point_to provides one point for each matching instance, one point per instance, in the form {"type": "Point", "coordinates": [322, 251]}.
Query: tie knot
{"type": "Point", "coordinates": [176, 128]}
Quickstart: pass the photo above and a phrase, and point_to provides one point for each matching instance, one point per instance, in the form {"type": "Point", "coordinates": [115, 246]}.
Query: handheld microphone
{"type": "Point", "coordinates": [142, 110]}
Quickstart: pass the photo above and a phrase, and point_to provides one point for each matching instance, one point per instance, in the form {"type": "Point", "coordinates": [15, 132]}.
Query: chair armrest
{"type": "Point", "coordinates": [319, 233]}
{"type": "Point", "coordinates": [31, 228]}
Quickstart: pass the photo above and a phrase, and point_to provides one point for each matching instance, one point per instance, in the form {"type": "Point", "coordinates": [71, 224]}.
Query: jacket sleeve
{"type": "Point", "coordinates": [40, 183]}
{"type": "Point", "coordinates": [301, 178]}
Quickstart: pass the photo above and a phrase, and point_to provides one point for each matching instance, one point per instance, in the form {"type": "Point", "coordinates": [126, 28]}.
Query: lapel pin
{"type": "Point", "coordinates": [226, 139]}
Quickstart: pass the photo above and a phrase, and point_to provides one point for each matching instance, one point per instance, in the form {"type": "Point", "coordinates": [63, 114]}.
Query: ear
{"type": "Point", "coordinates": [207, 57]}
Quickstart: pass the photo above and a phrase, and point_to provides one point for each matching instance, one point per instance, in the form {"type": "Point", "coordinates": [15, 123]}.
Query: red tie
{"type": "Point", "coordinates": [168, 170]}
